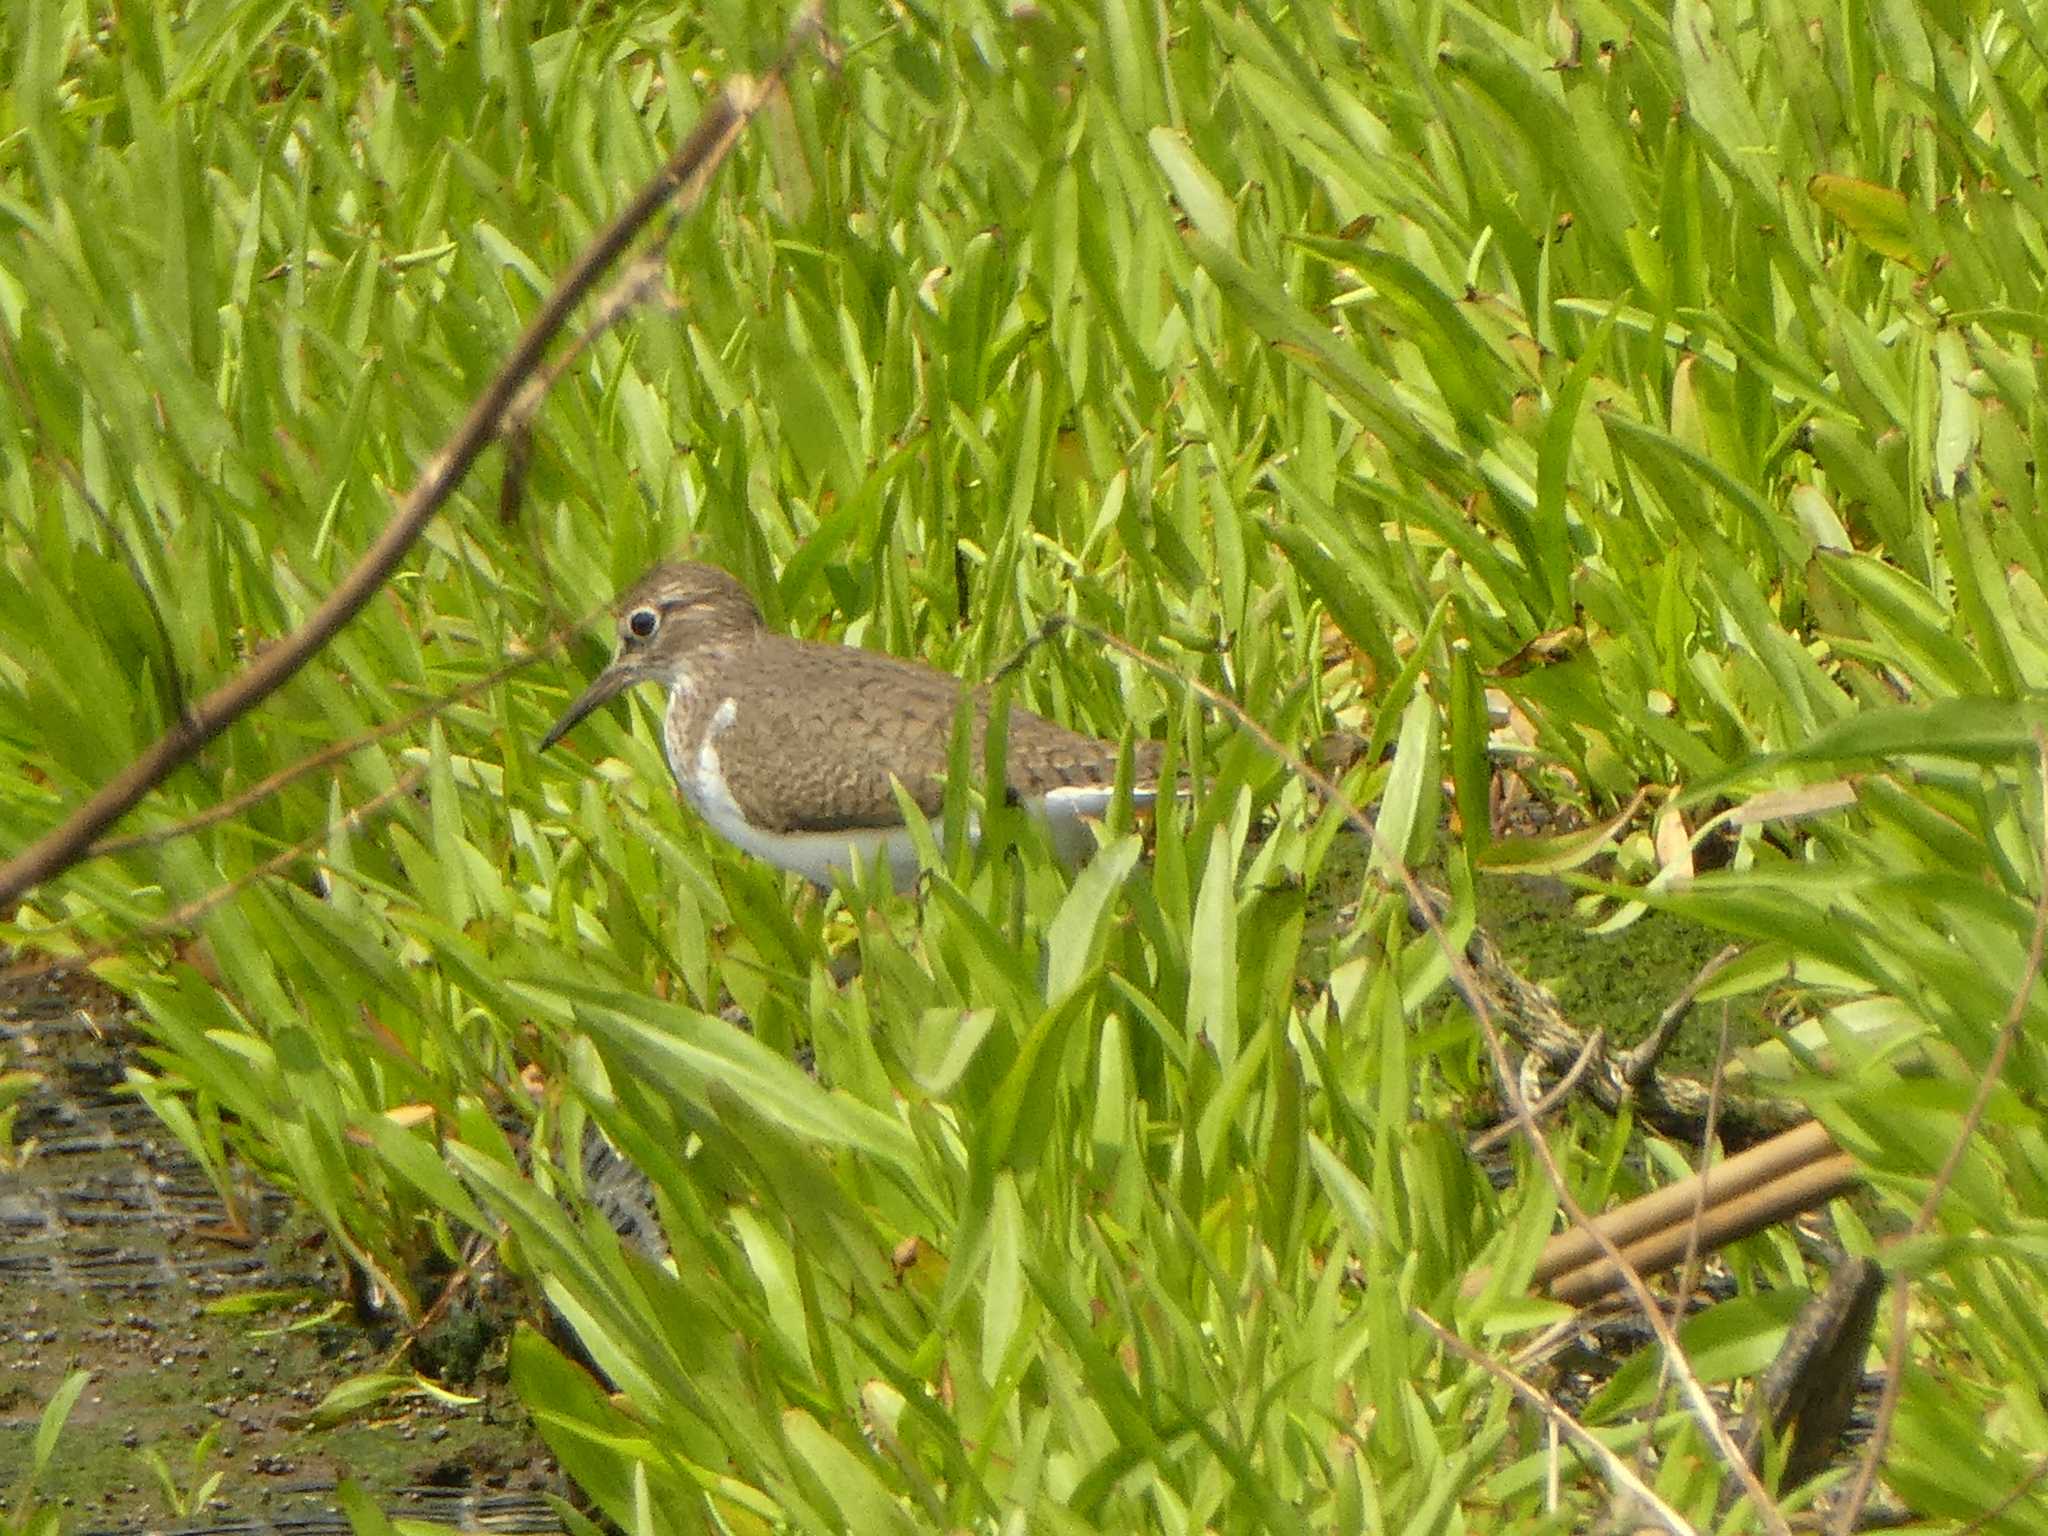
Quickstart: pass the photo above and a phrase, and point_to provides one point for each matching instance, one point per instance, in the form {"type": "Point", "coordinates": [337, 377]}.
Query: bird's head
{"type": "Point", "coordinates": [668, 620]}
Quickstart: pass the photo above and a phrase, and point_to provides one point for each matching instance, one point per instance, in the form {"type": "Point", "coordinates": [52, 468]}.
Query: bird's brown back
{"type": "Point", "coordinates": [818, 731]}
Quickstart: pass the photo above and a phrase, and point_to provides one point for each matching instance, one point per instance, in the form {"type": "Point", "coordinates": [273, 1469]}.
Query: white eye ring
{"type": "Point", "coordinates": [641, 623]}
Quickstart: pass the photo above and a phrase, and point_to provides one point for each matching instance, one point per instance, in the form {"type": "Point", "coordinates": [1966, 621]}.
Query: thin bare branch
{"type": "Point", "coordinates": [186, 915]}
{"type": "Point", "coordinates": [707, 145]}
{"type": "Point", "coordinates": [1594, 1048]}
{"type": "Point", "coordinates": [1618, 1471]}
{"type": "Point", "coordinates": [1688, 1266]}
{"type": "Point", "coordinates": [334, 752]}
{"type": "Point", "coordinates": [1641, 1062]}
{"type": "Point", "coordinates": [1688, 1271]}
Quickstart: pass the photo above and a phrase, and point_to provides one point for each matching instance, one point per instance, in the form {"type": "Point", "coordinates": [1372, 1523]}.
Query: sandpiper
{"type": "Point", "coordinates": [787, 747]}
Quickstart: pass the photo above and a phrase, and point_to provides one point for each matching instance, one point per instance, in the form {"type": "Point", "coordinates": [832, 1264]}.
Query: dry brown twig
{"type": "Point", "coordinates": [1688, 1270]}
{"type": "Point", "coordinates": [334, 752]}
{"type": "Point", "coordinates": [1559, 1419]}
{"type": "Point", "coordinates": [183, 917]}
{"type": "Point", "coordinates": [1851, 1508]}
{"type": "Point", "coordinates": [701, 152]}
{"type": "Point", "coordinates": [2019, 1491]}
{"type": "Point", "coordinates": [639, 279]}
{"type": "Point", "coordinates": [1638, 1065]}
{"type": "Point", "coordinates": [1562, 1089]}
{"type": "Point", "coordinates": [255, 794]}
{"type": "Point", "coordinates": [1704, 1411]}
{"type": "Point", "coordinates": [1687, 1276]}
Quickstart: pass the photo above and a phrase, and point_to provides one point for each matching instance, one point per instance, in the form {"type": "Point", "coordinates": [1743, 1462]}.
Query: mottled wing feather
{"type": "Point", "coordinates": [818, 756]}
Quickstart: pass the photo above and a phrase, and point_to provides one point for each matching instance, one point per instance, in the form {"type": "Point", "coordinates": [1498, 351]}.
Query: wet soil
{"type": "Point", "coordinates": [117, 1257]}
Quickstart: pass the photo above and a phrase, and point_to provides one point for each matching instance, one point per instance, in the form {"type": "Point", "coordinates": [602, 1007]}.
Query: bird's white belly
{"type": "Point", "coordinates": [820, 857]}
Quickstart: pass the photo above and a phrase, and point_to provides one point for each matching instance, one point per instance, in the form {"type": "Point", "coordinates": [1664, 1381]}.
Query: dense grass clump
{"type": "Point", "coordinates": [1667, 380]}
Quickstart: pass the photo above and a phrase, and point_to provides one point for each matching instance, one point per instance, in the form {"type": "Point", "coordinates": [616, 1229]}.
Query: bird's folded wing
{"type": "Point", "coordinates": [849, 721]}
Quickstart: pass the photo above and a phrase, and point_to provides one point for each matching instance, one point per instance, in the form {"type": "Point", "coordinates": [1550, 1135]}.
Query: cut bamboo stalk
{"type": "Point", "coordinates": [1723, 1222]}
{"type": "Point", "coordinates": [1638, 1219]}
{"type": "Point", "coordinates": [1792, 1172]}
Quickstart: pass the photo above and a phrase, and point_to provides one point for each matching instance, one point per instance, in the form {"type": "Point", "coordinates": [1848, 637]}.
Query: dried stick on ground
{"type": "Point", "coordinates": [1671, 1103]}
{"type": "Point", "coordinates": [707, 145]}
{"type": "Point", "coordinates": [1790, 1164]}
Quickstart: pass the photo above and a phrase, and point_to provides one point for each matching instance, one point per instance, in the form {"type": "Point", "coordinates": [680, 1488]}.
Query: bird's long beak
{"type": "Point", "coordinates": [612, 681]}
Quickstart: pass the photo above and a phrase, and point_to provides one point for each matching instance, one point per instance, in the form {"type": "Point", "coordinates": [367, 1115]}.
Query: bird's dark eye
{"type": "Point", "coordinates": [641, 623]}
